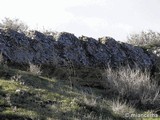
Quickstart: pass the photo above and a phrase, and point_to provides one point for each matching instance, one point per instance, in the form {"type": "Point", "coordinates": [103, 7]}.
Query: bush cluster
{"type": "Point", "coordinates": [14, 24]}
{"type": "Point", "coordinates": [133, 85]}
{"type": "Point", "coordinates": [144, 38]}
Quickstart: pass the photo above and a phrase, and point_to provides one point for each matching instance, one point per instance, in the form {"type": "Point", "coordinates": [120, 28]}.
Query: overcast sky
{"type": "Point", "coordinates": [93, 18]}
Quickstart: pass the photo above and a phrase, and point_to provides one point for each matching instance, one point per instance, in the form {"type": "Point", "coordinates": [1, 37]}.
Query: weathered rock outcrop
{"type": "Point", "coordinates": [64, 48]}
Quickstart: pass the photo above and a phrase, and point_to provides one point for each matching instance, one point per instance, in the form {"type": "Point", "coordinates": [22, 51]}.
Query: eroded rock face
{"type": "Point", "coordinates": [63, 49]}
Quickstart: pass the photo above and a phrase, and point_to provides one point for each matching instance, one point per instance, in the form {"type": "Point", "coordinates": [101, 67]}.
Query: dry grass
{"type": "Point", "coordinates": [35, 69]}
{"type": "Point", "coordinates": [121, 108]}
{"type": "Point", "coordinates": [132, 84]}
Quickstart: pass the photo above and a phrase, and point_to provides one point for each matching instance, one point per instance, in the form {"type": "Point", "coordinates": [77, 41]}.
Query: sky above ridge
{"type": "Point", "coordinates": [93, 18]}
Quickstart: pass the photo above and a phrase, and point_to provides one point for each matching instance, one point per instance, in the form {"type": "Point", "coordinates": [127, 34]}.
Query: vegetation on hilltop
{"type": "Point", "coordinates": [145, 38]}
{"type": "Point", "coordinates": [69, 93]}
{"type": "Point", "coordinates": [14, 24]}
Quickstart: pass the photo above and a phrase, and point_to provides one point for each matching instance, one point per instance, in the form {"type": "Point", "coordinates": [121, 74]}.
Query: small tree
{"type": "Point", "coordinates": [14, 24]}
{"type": "Point", "coordinates": [144, 38]}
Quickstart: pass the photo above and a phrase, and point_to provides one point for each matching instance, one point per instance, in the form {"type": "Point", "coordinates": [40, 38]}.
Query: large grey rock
{"type": "Point", "coordinates": [64, 49]}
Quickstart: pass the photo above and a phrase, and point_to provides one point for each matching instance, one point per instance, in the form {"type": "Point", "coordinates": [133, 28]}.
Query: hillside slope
{"type": "Point", "coordinates": [57, 76]}
{"type": "Point", "coordinates": [27, 96]}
